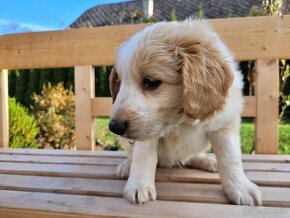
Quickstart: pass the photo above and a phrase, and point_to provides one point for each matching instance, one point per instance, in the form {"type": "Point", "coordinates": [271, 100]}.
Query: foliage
{"type": "Point", "coordinates": [173, 15]}
{"type": "Point", "coordinates": [269, 7]}
{"type": "Point", "coordinates": [22, 126]}
{"type": "Point", "coordinates": [200, 11]}
{"type": "Point", "coordinates": [138, 16]}
{"type": "Point", "coordinates": [23, 83]}
{"type": "Point", "coordinates": [285, 92]}
{"type": "Point", "coordinates": [284, 138]}
{"type": "Point", "coordinates": [54, 110]}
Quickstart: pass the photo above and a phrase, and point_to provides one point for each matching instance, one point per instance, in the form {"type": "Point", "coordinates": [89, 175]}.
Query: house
{"type": "Point", "coordinates": [160, 10]}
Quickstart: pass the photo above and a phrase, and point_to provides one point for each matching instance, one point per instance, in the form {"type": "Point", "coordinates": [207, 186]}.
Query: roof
{"type": "Point", "coordinates": [124, 12]}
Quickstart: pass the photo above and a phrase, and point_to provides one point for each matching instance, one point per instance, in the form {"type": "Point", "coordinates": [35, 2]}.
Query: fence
{"type": "Point", "coordinates": [263, 39]}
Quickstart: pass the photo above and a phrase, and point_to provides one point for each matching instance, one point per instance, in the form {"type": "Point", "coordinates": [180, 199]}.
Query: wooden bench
{"type": "Point", "coordinates": [58, 183]}
{"type": "Point", "coordinates": [54, 183]}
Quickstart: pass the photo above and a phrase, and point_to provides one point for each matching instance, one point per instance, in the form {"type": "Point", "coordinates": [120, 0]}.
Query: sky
{"type": "Point", "coordinates": [42, 15]}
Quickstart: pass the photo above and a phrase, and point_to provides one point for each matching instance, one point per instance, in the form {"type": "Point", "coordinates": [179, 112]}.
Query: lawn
{"type": "Point", "coordinates": [107, 140]}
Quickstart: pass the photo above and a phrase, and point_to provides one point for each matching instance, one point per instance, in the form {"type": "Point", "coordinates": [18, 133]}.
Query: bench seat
{"type": "Point", "coordinates": [61, 183]}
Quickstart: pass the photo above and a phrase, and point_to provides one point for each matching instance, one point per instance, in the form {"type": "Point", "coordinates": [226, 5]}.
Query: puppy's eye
{"type": "Point", "coordinates": [151, 84]}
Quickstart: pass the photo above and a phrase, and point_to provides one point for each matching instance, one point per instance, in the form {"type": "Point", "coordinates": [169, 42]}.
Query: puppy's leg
{"type": "Point", "coordinates": [140, 187]}
{"type": "Point", "coordinates": [203, 162]}
{"type": "Point", "coordinates": [238, 188]}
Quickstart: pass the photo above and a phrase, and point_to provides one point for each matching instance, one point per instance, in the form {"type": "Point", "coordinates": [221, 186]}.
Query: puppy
{"type": "Point", "coordinates": [176, 90]}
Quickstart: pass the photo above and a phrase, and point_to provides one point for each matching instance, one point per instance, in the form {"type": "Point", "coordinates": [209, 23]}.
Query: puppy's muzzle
{"type": "Point", "coordinates": [118, 127]}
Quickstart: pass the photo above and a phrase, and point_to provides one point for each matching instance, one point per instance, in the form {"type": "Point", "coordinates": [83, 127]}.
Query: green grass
{"type": "Point", "coordinates": [107, 140]}
{"type": "Point", "coordinates": [104, 138]}
{"type": "Point", "coordinates": [248, 134]}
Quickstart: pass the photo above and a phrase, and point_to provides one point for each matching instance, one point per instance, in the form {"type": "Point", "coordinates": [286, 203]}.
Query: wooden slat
{"type": "Point", "coordinates": [29, 202]}
{"type": "Point", "coordinates": [64, 170]}
{"type": "Point", "coordinates": [60, 159]}
{"type": "Point", "coordinates": [265, 178]}
{"type": "Point", "coordinates": [4, 123]}
{"type": "Point", "coordinates": [249, 106]}
{"type": "Point", "coordinates": [69, 153]}
{"type": "Point", "coordinates": [188, 175]}
{"type": "Point", "coordinates": [109, 161]}
{"type": "Point", "coordinates": [102, 106]}
{"type": "Point", "coordinates": [267, 92]}
{"type": "Point", "coordinates": [207, 193]}
{"type": "Point", "coordinates": [85, 91]}
{"type": "Point", "coordinates": [267, 167]}
{"type": "Point", "coordinates": [268, 158]}
{"type": "Point", "coordinates": [249, 38]}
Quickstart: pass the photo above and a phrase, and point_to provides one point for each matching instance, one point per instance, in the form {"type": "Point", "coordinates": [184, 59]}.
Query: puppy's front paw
{"type": "Point", "coordinates": [139, 192]}
{"type": "Point", "coordinates": [243, 192]}
{"type": "Point", "coordinates": [123, 169]}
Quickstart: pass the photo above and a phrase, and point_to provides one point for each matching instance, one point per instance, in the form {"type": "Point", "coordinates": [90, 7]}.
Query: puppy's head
{"type": "Point", "coordinates": [164, 74]}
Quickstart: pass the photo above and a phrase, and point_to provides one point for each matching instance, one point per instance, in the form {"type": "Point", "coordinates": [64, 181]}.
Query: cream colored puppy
{"type": "Point", "coordinates": [176, 91]}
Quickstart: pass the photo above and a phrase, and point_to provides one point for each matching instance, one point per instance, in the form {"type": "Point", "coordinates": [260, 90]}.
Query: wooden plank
{"type": "Point", "coordinates": [56, 152]}
{"type": "Point", "coordinates": [249, 106]}
{"type": "Point", "coordinates": [85, 91]}
{"type": "Point", "coordinates": [109, 161]}
{"type": "Point", "coordinates": [102, 106]}
{"type": "Point", "coordinates": [4, 116]}
{"type": "Point", "coordinates": [249, 38]}
{"type": "Point", "coordinates": [119, 207]}
{"type": "Point", "coordinates": [267, 167]}
{"type": "Point", "coordinates": [267, 92]}
{"type": "Point", "coordinates": [163, 175]}
{"type": "Point", "coordinates": [281, 179]}
{"type": "Point", "coordinates": [60, 159]}
{"type": "Point", "coordinates": [268, 158]}
{"type": "Point", "coordinates": [63, 170]}
{"type": "Point", "coordinates": [207, 193]}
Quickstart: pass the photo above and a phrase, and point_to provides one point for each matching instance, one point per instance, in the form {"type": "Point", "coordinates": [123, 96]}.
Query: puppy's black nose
{"type": "Point", "coordinates": [118, 127]}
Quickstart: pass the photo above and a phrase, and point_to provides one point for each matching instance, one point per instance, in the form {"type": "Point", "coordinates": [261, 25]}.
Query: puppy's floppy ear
{"type": "Point", "coordinates": [114, 84]}
{"type": "Point", "coordinates": [206, 77]}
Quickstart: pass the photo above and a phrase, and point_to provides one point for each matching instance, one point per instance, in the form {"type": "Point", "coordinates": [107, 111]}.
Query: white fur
{"type": "Point", "coordinates": [191, 139]}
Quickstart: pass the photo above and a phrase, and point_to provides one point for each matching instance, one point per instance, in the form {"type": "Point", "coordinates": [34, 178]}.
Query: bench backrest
{"type": "Point", "coordinates": [263, 39]}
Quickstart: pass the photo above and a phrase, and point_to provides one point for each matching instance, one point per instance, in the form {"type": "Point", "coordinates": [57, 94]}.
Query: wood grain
{"type": "Point", "coordinates": [266, 178]}
{"type": "Point", "coordinates": [267, 92]}
{"type": "Point", "coordinates": [84, 91]}
{"type": "Point", "coordinates": [4, 116]}
{"type": "Point", "coordinates": [110, 161]}
{"type": "Point", "coordinates": [102, 106]}
{"type": "Point", "coordinates": [87, 206]}
{"type": "Point", "coordinates": [249, 38]}
{"type": "Point", "coordinates": [267, 158]}
{"type": "Point", "coordinates": [69, 153]}
{"type": "Point", "coordinates": [186, 192]}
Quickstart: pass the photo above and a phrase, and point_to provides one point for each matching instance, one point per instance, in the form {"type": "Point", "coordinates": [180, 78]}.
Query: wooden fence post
{"type": "Point", "coordinates": [4, 122]}
{"type": "Point", "coordinates": [267, 94]}
{"type": "Point", "coordinates": [84, 91]}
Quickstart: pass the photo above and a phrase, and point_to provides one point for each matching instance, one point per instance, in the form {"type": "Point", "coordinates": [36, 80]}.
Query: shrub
{"type": "Point", "coordinates": [22, 126]}
{"type": "Point", "coordinates": [54, 110]}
